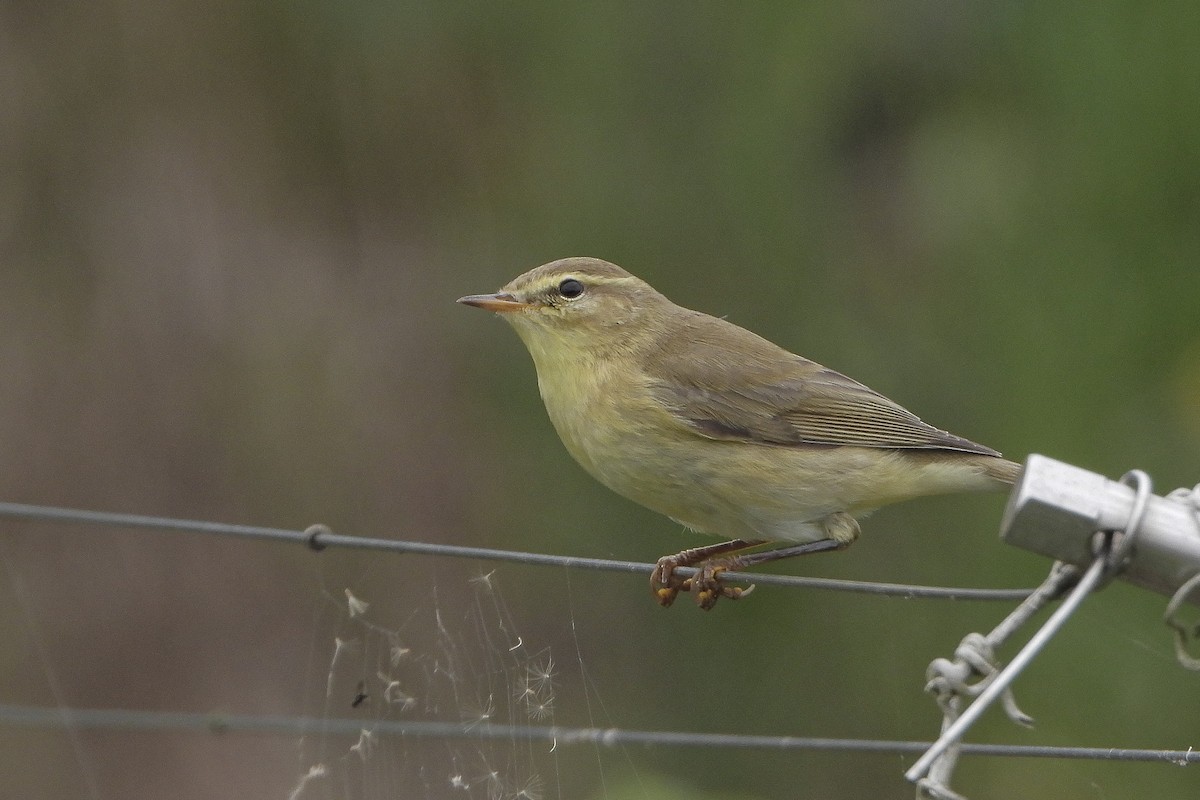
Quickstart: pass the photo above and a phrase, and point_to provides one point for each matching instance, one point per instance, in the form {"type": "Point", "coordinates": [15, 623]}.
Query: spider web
{"type": "Point", "coordinates": [456, 655]}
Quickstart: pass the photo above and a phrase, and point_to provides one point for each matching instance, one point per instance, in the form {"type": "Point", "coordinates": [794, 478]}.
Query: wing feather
{"type": "Point", "coordinates": [792, 402]}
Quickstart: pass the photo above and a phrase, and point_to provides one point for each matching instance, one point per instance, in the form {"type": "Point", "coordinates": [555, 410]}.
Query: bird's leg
{"type": "Point", "coordinates": [841, 529]}
{"type": "Point", "coordinates": [707, 579]}
{"type": "Point", "coordinates": [665, 585]}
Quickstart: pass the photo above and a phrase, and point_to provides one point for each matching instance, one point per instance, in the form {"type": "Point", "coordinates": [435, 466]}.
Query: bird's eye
{"type": "Point", "coordinates": [570, 288]}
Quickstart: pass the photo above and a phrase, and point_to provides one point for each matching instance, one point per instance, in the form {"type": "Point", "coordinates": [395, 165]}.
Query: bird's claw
{"type": "Point", "coordinates": [709, 588]}
{"type": "Point", "coordinates": [666, 586]}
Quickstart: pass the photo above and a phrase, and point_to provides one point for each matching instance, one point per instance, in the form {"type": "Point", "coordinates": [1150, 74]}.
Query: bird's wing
{"type": "Point", "coordinates": [790, 401]}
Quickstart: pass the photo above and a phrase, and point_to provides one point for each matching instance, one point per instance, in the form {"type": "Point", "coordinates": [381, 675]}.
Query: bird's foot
{"type": "Point", "coordinates": [708, 585]}
{"type": "Point", "coordinates": [666, 585]}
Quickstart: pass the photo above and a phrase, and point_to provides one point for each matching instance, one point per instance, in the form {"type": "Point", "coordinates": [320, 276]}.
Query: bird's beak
{"type": "Point", "coordinates": [501, 302]}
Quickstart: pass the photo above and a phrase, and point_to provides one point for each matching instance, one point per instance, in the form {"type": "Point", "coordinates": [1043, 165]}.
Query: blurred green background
{"type": "Point", "coordinates": [232, 234]}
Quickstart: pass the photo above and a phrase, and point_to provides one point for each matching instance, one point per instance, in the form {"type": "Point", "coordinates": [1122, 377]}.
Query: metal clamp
{"type": "Point", "coordinates": [1056, 508]}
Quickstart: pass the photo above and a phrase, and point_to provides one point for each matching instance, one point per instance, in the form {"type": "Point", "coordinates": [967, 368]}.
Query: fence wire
{"type": "Point", "coordinates": [221, 724]}
{"type": "Point", "coordinates": [318, 537]}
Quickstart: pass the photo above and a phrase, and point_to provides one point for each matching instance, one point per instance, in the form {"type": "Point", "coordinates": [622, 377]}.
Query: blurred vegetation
{"type": "Point", "coordinates": [232, 234]}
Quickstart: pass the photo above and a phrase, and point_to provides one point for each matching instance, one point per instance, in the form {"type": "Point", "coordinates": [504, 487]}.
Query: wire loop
{"type": "Point", "coordinates": [1117, 546]}
{"type": "Point", "coordinates": [1119, 555]}
{"type": "Point", "coordinates": [1188, 497]}
{"type": "Point", "coordinates": [1183, 630]}
{"type": "Point", "coordinates": [313, 534]}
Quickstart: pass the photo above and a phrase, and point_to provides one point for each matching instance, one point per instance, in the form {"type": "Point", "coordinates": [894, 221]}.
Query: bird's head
{"type": "Point", "coordinates": [576, 305]}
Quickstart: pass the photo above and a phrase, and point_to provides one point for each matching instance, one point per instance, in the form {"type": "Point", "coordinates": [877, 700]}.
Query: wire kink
{"type": "Point", "coordinates": [319, 537]}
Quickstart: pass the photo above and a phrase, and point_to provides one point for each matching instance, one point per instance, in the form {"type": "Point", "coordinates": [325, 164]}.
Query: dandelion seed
{"type": "Point", "coordinates": [364, 745]}
{"type": "Point", "coordinates": [339, 645]}
{"type": "Point", "coordinates": [483, 580]}
{"type": "Point", "coordinates": [532, 790]}
{"type": "Point", "coordinates": [397, 653]}
{"type": "Point", "coordinates": [541, 675]}
{"type": "Point", "coordinates": [458, 782]}
{"type": "Point", "coordinates": [484, 714]}
{"type": "Point", "coordinates": [495, 785]}
{"type": "Point", "coordinates": [314, 772]}
{"type": "Point", "coordinates": [525, 692]}
{"type": "Point", "coordinates": [542, 710]}
{"type": "Point", "coordinates": [357, 607]}
{"type": "Point", "coordinates": [393, 695]}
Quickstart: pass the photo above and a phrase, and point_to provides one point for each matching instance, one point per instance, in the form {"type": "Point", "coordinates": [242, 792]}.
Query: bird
{"type": "Point", "coordinates": [718, 428]}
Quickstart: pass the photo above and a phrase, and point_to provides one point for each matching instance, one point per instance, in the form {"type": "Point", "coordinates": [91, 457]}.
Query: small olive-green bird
{"type": "Point", "coordinates": [718, 428]}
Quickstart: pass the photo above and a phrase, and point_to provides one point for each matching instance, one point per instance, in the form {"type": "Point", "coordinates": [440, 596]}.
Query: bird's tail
{"type": "Point", "coordinates": [1003, 470]}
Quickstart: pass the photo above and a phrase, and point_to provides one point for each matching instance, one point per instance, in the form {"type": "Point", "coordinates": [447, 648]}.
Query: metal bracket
{"type": "Point", "coordinates": [1056, 508]}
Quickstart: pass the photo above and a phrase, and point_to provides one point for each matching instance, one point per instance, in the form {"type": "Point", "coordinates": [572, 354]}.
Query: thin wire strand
{"type": "Point", "coordinates": [1087, 584]}
{"type": "Point", "coordinates": [318, 538]}
{"type": "Point", "coordinates": [128, 719]}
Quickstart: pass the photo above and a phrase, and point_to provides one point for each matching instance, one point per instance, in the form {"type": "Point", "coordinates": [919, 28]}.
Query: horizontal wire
{"type": "Point", "coordinates": [130, 719]}
{"type": "Point", "coordinates": [319, 537]}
